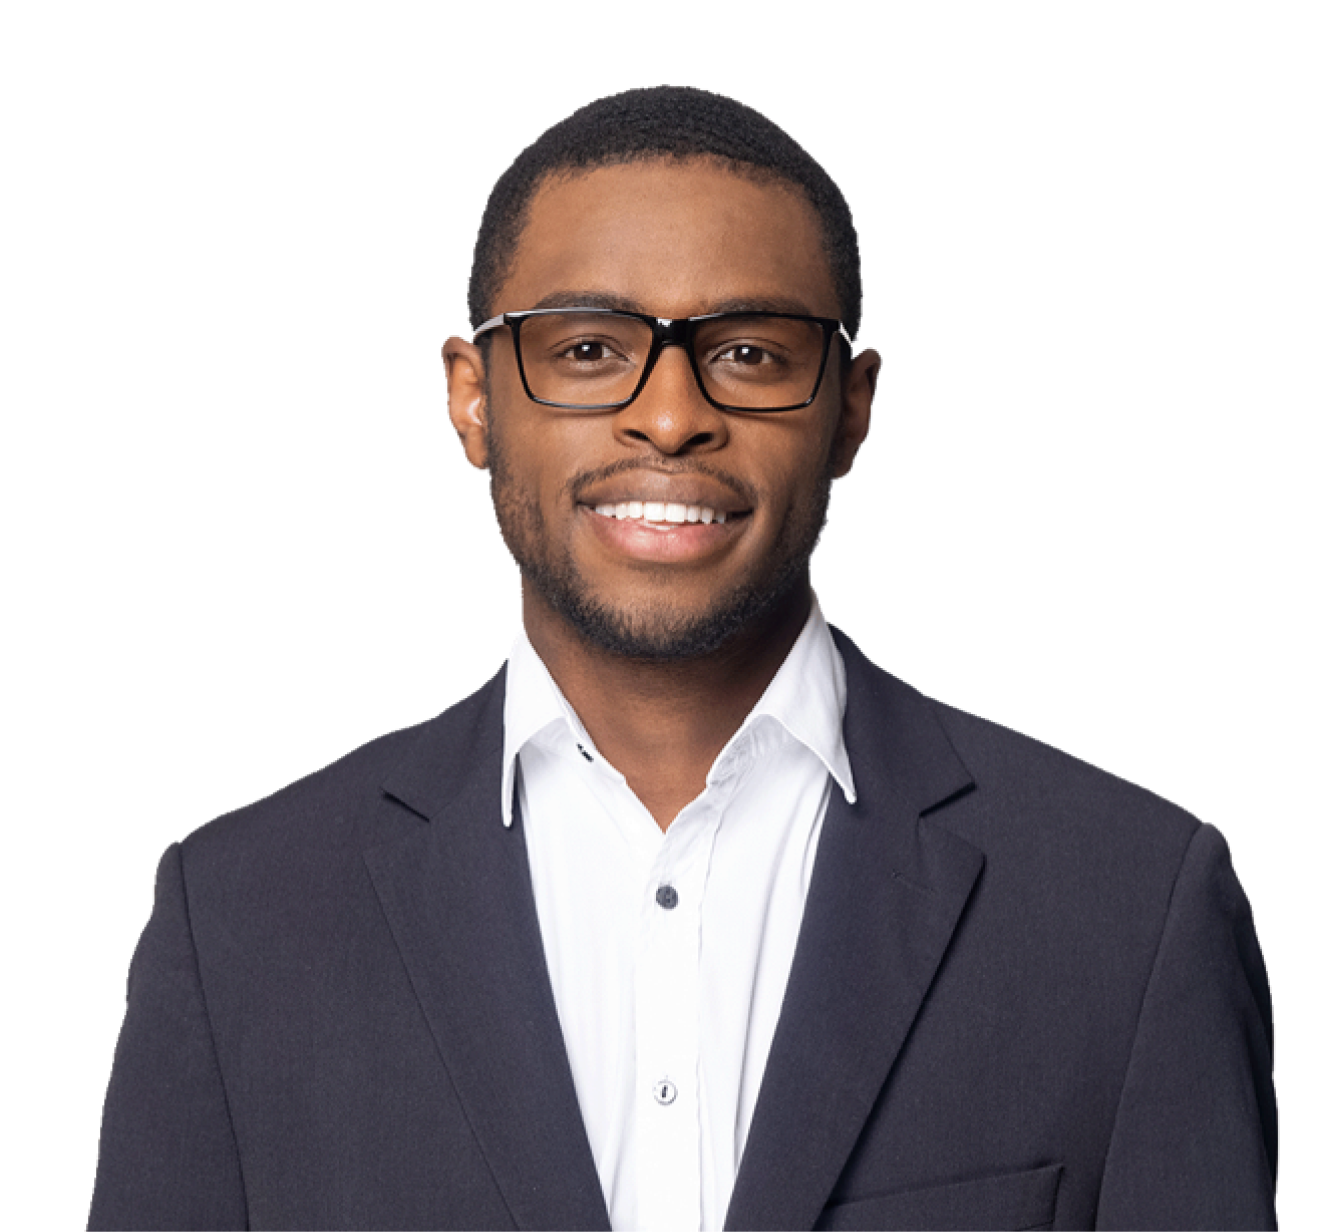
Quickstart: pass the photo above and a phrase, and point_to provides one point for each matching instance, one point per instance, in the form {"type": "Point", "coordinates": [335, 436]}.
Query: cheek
{"type": "Point", "coordinates": [539, 454]}
{"type": "Point", "coordinates": [791, 462]}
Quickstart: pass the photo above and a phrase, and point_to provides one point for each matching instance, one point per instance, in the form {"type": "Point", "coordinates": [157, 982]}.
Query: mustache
{"type": "Point", "coordinates": [577, 484]}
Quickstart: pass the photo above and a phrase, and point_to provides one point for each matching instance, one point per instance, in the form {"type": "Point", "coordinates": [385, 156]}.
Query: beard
{"type": "Point", "coordinates": [653, 631]}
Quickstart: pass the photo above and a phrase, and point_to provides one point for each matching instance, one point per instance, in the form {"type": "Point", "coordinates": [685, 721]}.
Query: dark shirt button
{"type": "Point", "coordinates": [668, 897]}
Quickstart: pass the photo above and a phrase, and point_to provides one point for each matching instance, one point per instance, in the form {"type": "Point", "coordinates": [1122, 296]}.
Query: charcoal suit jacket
{"type": "Point", "coordinates": [1025, 995]}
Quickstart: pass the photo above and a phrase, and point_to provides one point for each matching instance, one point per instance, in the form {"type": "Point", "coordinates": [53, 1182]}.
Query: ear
{"type": "Point", "coordinates": [465, 375]}
{"type": "Point", "coordinates": [857, 389]}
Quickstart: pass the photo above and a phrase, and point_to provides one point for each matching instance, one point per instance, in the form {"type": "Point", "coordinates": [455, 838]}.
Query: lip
{"type": "Point", "coordinates": [669, 543]}
{"type": "Point", "coordinates": [645, 486]}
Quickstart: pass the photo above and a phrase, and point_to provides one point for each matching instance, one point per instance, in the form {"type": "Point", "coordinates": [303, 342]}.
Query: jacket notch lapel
{"type": "Point", "coordinates": [457, 896]}
{"type": "Point", "coordinates": [888, 890]}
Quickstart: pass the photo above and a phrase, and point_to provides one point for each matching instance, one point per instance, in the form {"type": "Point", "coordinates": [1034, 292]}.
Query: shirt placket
{"type": "Point", "coordinates": [666, 991]}
{"type": "Point", "coordinates": [668, 1023]}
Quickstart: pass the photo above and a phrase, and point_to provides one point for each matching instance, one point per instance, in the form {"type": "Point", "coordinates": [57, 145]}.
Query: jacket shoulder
{"type": "Point", "coordinates": [1020, 787]}
{"type": "Point", "coordinates": [1038, 777]}
{"type": "Point", "coordinates": [339, 805]}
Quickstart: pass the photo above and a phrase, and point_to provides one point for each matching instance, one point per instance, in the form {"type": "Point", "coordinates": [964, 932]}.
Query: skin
{"type": "Point", "coordinates": [674, 240]}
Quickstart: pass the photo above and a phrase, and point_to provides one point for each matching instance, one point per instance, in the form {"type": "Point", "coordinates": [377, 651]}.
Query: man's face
{"type": "Point", "coordinates": [671, 240]}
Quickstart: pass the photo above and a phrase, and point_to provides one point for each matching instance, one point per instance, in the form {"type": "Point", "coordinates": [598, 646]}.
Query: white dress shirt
{"type": "Point", "coordinates": [669, 952]}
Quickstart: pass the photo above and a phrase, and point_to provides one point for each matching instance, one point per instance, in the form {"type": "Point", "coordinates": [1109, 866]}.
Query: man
{"type": "Point", "coordinates": [691, 916]}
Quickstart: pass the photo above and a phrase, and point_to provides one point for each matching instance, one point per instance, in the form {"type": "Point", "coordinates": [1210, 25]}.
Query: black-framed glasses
{"type": "Point", "coordinates": [599, 359]}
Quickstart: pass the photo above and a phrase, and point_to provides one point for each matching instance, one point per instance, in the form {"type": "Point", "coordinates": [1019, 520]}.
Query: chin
{"type": "Point", "coordinates": [657, 632]}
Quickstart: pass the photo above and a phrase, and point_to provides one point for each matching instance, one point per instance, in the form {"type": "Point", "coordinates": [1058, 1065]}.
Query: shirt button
{"type": "Point", "coordinates": [668, 897]}
{"type": "Point", "coordinates": [665, 1091]}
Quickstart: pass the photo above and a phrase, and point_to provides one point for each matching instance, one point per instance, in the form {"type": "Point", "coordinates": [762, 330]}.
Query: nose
{"type": "Point", "coordinates": [671, 414]}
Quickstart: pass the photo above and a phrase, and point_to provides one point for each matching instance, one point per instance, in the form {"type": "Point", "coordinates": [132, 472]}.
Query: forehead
{"type": "Point", "coordinates": [672, 239]}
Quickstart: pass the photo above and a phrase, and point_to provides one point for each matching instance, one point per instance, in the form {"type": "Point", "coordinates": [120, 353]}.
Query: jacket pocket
{"type": "Point", "coordinates": [1013, 1200]}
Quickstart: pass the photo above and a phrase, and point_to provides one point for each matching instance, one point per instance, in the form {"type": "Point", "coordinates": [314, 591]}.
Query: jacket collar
{"type": "Point", "coordinates": [910, 761]}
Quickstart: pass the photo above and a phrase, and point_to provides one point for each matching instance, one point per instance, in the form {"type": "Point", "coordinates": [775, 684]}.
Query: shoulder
{"type": "Point", "coordinates": [1026, 774]}
{"type": "Point", "coordinates": [1083, 872]}
{"type": "Point", "coordinates": [340, 806]}
{"type": "Point", "coordinates": [1081, 842]}
{"type": "Point", "coordinates": [1039, 814]}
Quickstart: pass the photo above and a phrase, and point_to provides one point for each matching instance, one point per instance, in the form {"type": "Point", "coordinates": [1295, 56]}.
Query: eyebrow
{"type": "Point", "coordinates": [623, 303]}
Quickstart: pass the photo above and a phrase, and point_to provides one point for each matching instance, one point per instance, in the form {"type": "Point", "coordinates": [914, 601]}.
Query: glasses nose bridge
{"type": "Point", "coordinates": [672, 331]}
{"type": "Point", "coordinates": [676, 332]}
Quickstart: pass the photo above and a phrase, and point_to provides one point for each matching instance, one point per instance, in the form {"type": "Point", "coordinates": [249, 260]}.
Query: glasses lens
{"type": "Point", "coordinates": [583, 359]}
{"type": "Point", "coordinates": [586, 358]}
{"type": "Point", "coordinates": [759, 362]}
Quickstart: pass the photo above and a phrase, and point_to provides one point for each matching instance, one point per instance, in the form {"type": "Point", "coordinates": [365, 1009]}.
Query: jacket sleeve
{"type": "Point", "coordinates": [168, 1153]}
{"type": "Point", "coordinates": [1194, 1141]}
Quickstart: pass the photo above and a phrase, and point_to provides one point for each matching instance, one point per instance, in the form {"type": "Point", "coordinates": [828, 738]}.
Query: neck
{"type": "Point", "coordinates": [663, 724]}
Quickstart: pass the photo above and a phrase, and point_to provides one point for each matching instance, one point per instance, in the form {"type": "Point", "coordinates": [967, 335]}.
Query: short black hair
{"type": "Point", "coordinates": [663, 122]}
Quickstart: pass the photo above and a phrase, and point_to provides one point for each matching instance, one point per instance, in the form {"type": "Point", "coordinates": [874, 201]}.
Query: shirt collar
{"type": "Point", "coordinates": [806, 697]}
{"type": "Point", "coordinates": [533, 703]}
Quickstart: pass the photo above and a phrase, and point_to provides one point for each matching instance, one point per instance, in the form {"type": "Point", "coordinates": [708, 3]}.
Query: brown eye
{"type": "Point", "coordinates": [589, 351]}
{"type": "Point", "coordinates": [748, 355]}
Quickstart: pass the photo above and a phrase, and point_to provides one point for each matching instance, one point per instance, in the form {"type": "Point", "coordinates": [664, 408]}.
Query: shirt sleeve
{"type": "Point", "coordinates": [1194, 1142]}
{"type": "Point", "coordinates": [168, 1155]}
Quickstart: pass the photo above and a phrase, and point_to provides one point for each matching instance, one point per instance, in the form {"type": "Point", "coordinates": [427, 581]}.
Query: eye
{"type": "Point", "coordinates": [588, 351]}
{"type": "Point", "coordinates": [746, 354]}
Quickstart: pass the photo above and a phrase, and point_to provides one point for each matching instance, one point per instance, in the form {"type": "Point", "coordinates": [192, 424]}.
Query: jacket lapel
{"type": "Point", "coordinates": [888, 889]}
{"type": "Point", "coordinates": [458, 898]}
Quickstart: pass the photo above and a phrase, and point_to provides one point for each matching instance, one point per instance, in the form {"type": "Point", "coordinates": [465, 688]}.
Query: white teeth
{"type": "Point", "coordinates": [660, 512]}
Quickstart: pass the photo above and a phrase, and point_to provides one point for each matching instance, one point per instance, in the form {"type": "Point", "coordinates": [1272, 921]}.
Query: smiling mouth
{"type": "Point", "coordinates": [652, 532]}
{"type": "Point", "coordinates": [661, 513]}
